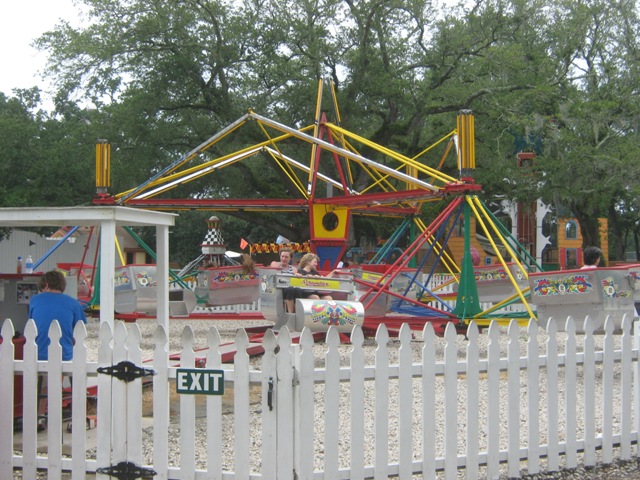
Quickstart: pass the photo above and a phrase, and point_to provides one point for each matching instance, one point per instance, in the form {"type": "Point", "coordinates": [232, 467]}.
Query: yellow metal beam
{"type": "Point", "coordinates": [472, 203]}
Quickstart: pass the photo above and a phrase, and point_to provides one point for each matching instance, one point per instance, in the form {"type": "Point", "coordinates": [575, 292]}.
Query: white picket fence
{"type": "Point", "coordinates": [490, 405]}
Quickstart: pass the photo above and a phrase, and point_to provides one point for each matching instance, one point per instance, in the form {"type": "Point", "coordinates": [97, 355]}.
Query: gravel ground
{"type": "Point", "coordinates": [227, 329]}
{"type": "Point", "coordinates": [616, 471]}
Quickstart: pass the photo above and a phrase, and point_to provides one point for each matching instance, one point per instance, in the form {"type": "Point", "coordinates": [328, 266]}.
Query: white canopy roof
{"type": "Point", "coordinates": [107, 218]}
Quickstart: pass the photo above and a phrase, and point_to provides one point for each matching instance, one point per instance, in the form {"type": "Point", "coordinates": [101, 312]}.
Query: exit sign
{"type": "Point", "coordinates": [199, 381]}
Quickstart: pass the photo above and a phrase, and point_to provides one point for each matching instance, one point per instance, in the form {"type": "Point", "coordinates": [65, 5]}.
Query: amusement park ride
{"type": "Point", "coordinates": [427, 283]}
{"type": "Point", "coordinates": [397, 187]}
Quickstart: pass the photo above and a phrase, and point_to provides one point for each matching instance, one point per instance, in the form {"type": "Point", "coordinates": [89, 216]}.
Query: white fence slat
{"type": "Point", "coordinates": [636, 383]}
{"type": "Point", "coordinates": [382, 403]}
{"type": "Point", "coordinates": [187, 411]}
{"type": "Point", "coordinates": [513, 399]}
{"type": "Point", "coordinates": [473, 398]}
{"type": "Point", "coordinates": [357, 390]}
{"type": "Point", "coordinates": [134, 397]}
{"type": "Point", "coordinates": [54, 404]}
{"type": "Point", "coordinates": [608, 375]}
{"type": "Point", "coordinates": [161, 405]}
{"type": "Point", "coordinates": [6, 398]}
{"type": "Point", "coordinates": [428, 403]}
{"type": "Point", "coordinates": [533, 398]}
{"type": "Point", "coordinates": [304, 454]}
{"type": "Point", "coordinates": [269, 413]}
{"type": "Point", "coordinates": [589, 389]}
{"type": "Point", "coordinates": [283, 397]}
{"type": "Point", "coordinates": [79, 403]}
{"type": "Point", "coordinates": [493, 402]}
{"type": "Point", "coordinates": [626, 390]}
{"type": "Point", "coordinates": [405, 403]}
{"type": "Point", "coordinates": [30, 402]}
{"type": "Point", "coordinates": [119, 395]}
{"type": "Point", "coordinates": [105, 401]}
{"type": "Point", "coordinates": [214, 410]}
{"type": "Point", "coordinates": [242, 439]}
{"type": "Point", "coordinates": [570, 399]}
{"type": "Point", "coordinates": [451, 406]}
{"type": "Point", "coordinates": [332, 404]}
{"type": "Point", "coordinates": [553, 446]}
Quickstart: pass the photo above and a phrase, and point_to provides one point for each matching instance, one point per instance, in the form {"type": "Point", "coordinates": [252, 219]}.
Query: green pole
{"type": "Point", "coordinates": [95, 299]}
{"type": "Point", "coordinates": [150, 251]}
{"type": "Point", "coordinates": [468, 303]}
{"type": "Point", "coordinates": [413, 262]}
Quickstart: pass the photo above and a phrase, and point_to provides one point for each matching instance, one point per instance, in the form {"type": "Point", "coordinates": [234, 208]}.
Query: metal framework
{"type": "Point", "coordinates": [397, 186]}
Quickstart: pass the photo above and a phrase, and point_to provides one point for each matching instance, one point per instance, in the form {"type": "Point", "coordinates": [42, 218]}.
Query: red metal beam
{"type": "Point", "coordinates": [461, 188]}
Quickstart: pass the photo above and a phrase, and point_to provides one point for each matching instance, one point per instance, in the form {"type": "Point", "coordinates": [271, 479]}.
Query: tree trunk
{"type": "Point", "coordinates": [589, 227]}
{"type": "Point", "coordinates": [618, 236]}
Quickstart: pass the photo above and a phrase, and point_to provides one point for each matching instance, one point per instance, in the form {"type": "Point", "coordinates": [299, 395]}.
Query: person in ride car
{"type": "Point", "coordinates": [285, 267]}
{"type": "Point", "coordinates": [308, 266]}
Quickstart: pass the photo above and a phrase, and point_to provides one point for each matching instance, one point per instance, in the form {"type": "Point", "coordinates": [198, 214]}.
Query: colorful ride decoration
{"type": "Point", "coordinates": [229, 285]}
{"type": "Point", "coordinates": [136, 292]}
{"type": "Point", "coordinates": [595, 292]}
{"type": "Point", "coordinates": [220, 280]}
{"type": "Point", "coordinates": [213, 246]}
{"type": "Point", "coordinates": [270, 247]}
{"type": "Point", "coordinates": [323, 314]}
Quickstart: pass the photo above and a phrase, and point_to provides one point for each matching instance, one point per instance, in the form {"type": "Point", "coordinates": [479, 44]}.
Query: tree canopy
{"type": "Point", "coordinates": [555, 77]}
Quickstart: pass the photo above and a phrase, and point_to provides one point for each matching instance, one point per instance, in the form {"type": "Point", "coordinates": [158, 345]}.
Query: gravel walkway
{"type": "Point", "coordinates": [617, 471]}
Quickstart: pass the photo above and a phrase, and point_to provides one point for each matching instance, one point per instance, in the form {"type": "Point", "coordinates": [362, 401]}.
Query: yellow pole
{"type": "Point", "coordinates": [316, 128]}
{"type": "Point", "coordinates": [119, 250]}
{"type": "Point", "coordinates": [466, 137]}
{"type": "Point", "coordinates": [103, 166]}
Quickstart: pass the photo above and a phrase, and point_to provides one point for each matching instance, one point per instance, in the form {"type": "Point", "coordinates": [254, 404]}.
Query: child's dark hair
{"type": "Point", "coordinates": [53, 279]}
{"type": "Point", "coordinates": [591, 255]}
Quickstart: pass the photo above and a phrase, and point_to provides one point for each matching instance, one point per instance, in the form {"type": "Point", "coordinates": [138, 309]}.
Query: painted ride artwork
{"type": "Point", "coordinates": [227, 286]}
{"type": "Point", "coordinates": [135, 291]}
{"type": "Point", "coordinates": [596, 293]}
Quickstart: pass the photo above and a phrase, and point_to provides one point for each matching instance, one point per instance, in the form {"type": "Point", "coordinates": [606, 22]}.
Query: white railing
{"type": "Point", "coordinates": [492, 404]}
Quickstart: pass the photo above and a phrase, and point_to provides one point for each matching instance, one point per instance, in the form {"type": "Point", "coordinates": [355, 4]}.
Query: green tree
{"type": "Point", "coordinates": [18, 134]}
{"type": "Point", "coordinates": [591, 160]}
{"type": "Point", "coordinates": [46, 161]}
{"type": "Point", "coordinates": [165, 76]}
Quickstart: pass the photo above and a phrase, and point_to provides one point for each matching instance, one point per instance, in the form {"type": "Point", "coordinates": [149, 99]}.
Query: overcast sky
{"type": "Point", "coordinates": [21, 22]}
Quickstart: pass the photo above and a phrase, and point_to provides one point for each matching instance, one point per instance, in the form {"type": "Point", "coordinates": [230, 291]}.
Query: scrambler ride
{"type": "Point", "coordinates": [397, 187]}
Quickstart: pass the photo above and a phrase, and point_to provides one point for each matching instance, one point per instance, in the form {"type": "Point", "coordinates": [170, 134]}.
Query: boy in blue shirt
{"type": "Point", "coordinates": [52, 304]}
